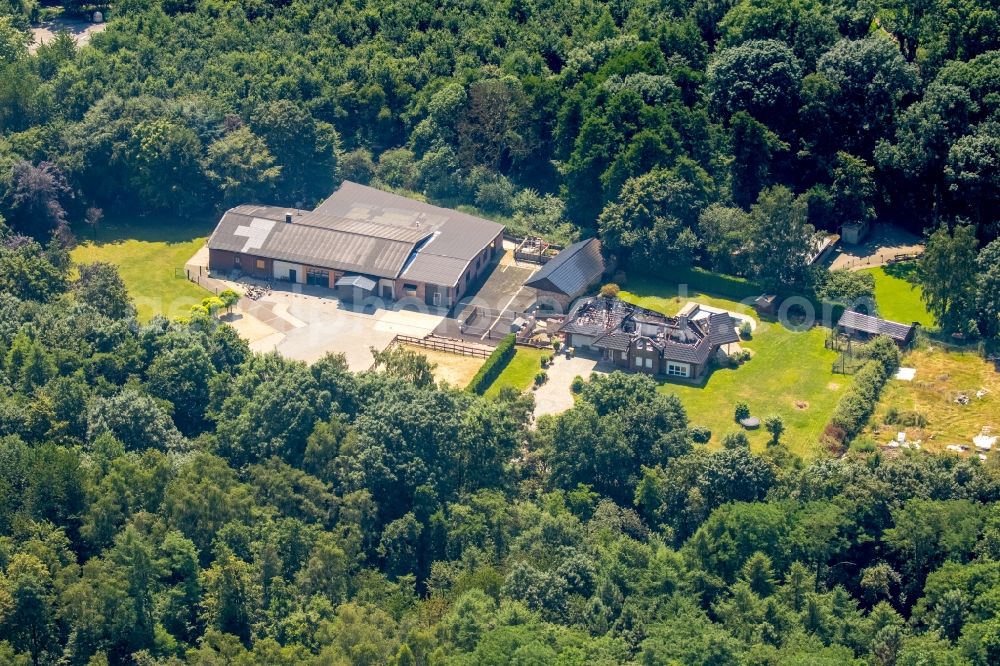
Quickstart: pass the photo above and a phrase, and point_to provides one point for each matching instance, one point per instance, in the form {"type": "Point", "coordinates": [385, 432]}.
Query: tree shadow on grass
{"type": "Point", "coordinates": [904, 270]}
{"type": "Point", "coordinates": [151, 229]}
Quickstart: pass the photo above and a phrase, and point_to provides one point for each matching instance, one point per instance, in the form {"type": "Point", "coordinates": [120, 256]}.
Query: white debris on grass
{"type": "Point", "coordinates": [984, 442]}
{"type": "Point", "coordinates": [906, 374]}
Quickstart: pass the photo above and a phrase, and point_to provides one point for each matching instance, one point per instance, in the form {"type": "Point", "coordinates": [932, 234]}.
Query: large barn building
{"type": "Point", "coordinates": [362, 242]}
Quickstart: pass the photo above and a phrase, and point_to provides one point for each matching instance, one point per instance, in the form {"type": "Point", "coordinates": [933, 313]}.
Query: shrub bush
{"type": "Point", "coordinates": [745, 330]}
{"type": "Point", "coordinates": [885, 351]}
{"type": "Point", "coordinates": [736, 440]}
{"type": "Point", "coordinates": [700, 434]}
{"type": "Point", "coordinates": [494, 365]}
{"type": "Point", "coordinates": [741, 412]}
{"type": "Point", "coordinates": [909, 419]}
{"type": "Point", "coordinates": [541, 377]}
{"type": "Point", "coordinates": [610, 290]}
{"type": "Point", "coordinates": [776, 426]}
{"type": "Point", "coordinates": [863, 445]}
{"type": "Point", "coordinates": [576, 386]}
{"type": "Point", "coordinates": [544, 360]}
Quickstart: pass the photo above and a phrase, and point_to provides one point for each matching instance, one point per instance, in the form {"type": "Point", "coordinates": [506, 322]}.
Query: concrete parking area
{"type": "Point", "coordinates": [500, 294]}
{"type": "Point", "coordinates": [886, 244]}
{"type": "Point", "coordinates": [305, 328]}
{"type": "Point", "coordinates": [79, 31]}
{"type": "Point", "coordinates": [305, 322]}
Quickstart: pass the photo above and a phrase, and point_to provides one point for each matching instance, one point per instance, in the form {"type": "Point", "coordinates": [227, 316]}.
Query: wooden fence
{"type": "Point", "coordinates": [439, 344]}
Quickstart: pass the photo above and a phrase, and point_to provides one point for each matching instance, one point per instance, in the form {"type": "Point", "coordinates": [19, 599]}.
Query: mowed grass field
{"type": "Point", "coordinates": [147, 253]}
{"type": "Point", "coordinates": [897, 294]}
{"type": "Point", "coordinates": [520, 372]}
{"type": "Point", "coordinates": [789, 375]}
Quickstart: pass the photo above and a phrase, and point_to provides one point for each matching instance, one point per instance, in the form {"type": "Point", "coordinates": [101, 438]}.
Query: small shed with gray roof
{"type": "Point", "coordinates": [865, 327]}
{"type": "Point", "coordinates": [568, 275]}
{"type": "Point", "coordinates": [362, 241]}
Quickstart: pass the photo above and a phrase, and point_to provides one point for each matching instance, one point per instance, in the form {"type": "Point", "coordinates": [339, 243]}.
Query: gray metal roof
{"type": "Point", "coordinates": [875, 326]}
{"type": "Point", "coordinates": [363, 230]}
{"type": "Point", "coordinates": [458, 235]}
{"type": "Point", "coordinates": [435, 269]}
{"type": "Point", "coordinates": [302, 243]}
{"type": "Point", "coordinates": [572, 271]}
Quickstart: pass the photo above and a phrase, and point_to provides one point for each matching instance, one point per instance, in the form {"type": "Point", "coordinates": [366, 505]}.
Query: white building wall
{"type": "Point", "coordinates": [281, 269]}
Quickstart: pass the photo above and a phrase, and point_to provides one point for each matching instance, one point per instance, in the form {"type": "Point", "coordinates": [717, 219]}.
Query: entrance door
{"type": "Point", "coordinates": [293, 275]}
{"type": "Point", "coordinates": [437, 298]}
{"type": "Point", "coordinates": [386, 292]}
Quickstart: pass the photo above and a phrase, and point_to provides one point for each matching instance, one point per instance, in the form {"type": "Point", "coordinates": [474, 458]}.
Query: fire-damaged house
{"type": "Point", "coordinates": [362, 242]}
{"type": "Point", "coordinates": [645, 341]}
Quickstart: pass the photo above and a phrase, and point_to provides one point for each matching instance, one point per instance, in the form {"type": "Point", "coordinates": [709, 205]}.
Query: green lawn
{"type": "Point", "coordinates": [668, 298]}
{"type": "Point", "coordinates": [897, 294]}
{"type": "Point", "coordinates": [147, 252]}
{"type": "Point", "coordinates": [520, 372]}
{"type": "Point", "coordinates": [789, 375]}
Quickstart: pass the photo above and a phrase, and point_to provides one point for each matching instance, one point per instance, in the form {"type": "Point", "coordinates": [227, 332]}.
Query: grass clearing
{"type": "Point", "coordinates": [669, 298]}
{"type": "Point", "coordinates": [520, 372]}
{"type": "Point", "coordinates": [790, 375]}
{"type": "Point", "coordinates": [455, 369]}
{"type": "Point", "coordinates": [897, 294]}
{"type": "Point", "coordinates": [941, 376]}
{"type": "Point", "coordinates": [147, 255]}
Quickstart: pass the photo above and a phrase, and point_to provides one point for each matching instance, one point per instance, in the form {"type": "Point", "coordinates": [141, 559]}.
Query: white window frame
{"type": "Point", "coordinates": [678, 370]}
{"type": "Point", "coordinates": [649, 364]}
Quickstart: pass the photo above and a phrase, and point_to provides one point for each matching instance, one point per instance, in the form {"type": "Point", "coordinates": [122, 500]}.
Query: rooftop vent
{"type": "Point", "coordinates": [288, 218]}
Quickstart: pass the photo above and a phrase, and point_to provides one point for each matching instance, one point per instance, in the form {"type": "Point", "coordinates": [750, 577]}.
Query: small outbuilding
{"type": "Point", "coordinates": [854, 233]}
{"type": "Point", "coordinates": [766, 304]}
{"type": "Point", "coordinates": [568, 275]}
{"type": "Point", "coordinates": [354, 288]}
{"type": "Point", "coordinates": [865, 327]}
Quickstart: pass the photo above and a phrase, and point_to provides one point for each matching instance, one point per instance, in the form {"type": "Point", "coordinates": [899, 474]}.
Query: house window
{"type": "Point", "coordinates": [410, 289]}
{"type": "Point", "coordinates": [638, 362]}
{"type": "Point", "coordinates": [649, 363]}
{"type": "Point", "coordinates": [261, 264]}
{"type": "Point", "coordinates": [624, 356]}
{"type": "Point", "coordinates": [678, 370]}
{"type": "Point", "coordinates": [237, 261]}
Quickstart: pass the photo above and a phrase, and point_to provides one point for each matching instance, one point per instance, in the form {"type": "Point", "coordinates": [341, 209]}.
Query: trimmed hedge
{"type": "Point", "coordinates": [857, 405]}
{"type": "Point", "coordinates": [494, 365]}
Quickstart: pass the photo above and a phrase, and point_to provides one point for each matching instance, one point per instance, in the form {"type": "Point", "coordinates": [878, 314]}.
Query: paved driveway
{"type": "Point", "coordinates": [554, 396]}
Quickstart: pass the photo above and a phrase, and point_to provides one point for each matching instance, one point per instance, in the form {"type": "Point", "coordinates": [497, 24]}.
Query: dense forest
{"type": "Point", "coordinates": [167, 497]}
{"type": "Point", "coordinates": [552, 115]}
